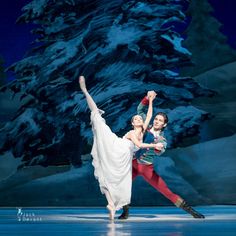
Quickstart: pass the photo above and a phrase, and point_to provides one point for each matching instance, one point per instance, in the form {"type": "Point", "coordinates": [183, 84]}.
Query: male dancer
{"type": "Point", "coordinates": [143, 162]}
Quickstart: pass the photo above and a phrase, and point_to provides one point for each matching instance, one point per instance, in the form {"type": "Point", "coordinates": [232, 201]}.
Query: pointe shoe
{"type": "Point", "coordinates": [112, 212]}
{"type": "Point", "coordinates": [82, 83]}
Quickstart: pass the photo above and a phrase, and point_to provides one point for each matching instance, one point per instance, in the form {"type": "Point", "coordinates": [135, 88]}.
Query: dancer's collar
{"type": "Point", "coordinates": [155, 132]}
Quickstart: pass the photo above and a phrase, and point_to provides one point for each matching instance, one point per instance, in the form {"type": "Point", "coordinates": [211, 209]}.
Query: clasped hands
{"type": "Point", "coordinates": [151, 95]}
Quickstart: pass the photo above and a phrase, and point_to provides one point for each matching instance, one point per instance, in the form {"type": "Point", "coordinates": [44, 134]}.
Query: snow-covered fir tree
{"type": "Point", "coordinates": [124, 49]}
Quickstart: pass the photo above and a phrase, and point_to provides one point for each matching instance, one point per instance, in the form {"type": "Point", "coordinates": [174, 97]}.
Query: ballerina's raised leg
{"type": "Point", "coordinates": [92, 105]}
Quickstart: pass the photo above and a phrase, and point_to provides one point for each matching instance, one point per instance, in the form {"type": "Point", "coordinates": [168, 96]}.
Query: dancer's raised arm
{"type": "Point", "coordinates": [151, 96]}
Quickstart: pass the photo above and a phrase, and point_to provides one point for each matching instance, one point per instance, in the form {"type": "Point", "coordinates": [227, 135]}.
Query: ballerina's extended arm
{"type": "Point", "coordinates": [132, 136]}
{"type": "Point", "coordinates": [151, 97]}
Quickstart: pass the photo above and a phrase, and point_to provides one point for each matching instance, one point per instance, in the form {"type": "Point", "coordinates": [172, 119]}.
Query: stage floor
{"type": "Point", "coordinates": [158, 221]}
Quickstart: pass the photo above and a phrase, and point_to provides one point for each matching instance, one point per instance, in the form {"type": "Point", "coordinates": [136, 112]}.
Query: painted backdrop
{"type": "Point", "coordinates": [124, 49]}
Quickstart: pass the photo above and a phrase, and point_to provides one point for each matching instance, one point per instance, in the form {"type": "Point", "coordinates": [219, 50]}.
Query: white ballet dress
{"type": "Point", "coordinates": [112, 161]}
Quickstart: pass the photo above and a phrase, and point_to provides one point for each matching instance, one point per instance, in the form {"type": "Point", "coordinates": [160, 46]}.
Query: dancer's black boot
{"type": "Point", "coordinates": [184, 205]}
{"type": "Point", "coordinates": [125, 213]}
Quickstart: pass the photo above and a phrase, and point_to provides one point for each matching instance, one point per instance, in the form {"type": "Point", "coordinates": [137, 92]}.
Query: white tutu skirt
{"type": "Point", "coordinates": [112, 161]}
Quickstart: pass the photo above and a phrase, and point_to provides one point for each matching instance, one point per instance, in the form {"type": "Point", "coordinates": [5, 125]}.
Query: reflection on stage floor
{"type": "Point", "coordinates": [158, 221]}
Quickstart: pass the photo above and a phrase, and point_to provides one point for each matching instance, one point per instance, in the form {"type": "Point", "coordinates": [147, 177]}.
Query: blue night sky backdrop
{"type": "Point", "coordinates": [16, 39]}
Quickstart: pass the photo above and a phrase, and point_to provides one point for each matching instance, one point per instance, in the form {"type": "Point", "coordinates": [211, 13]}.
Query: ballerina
{"type": "Point", "coordinates": [112, 156]}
